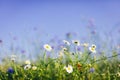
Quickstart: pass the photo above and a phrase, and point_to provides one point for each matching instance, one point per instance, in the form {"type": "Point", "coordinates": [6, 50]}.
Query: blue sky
{"type": "Point", "coordinates": [56, 17]}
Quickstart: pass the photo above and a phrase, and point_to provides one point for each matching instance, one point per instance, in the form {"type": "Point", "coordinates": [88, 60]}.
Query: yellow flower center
{"type": "Point", "coordinates": [47, 46]}
{"type": "Point", "coordinates": [92, 49]}
{"type": "Point", "coordinates": [69, 68]}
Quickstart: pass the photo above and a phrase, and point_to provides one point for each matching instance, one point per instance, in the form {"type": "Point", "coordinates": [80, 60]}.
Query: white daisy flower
{"type": "Point", "coordinates": [61, 54]}
{"type": "Point", "coordinates": [85, 44]}
{"type": "Point", "coordinates": [76, 42]}
{"type": "Point", "coordinates": [93, 48]}
{"type": "Point", "coordinates": [69, 68]}
{"type": "Point", "coordinates": [27, 62]}
{"type": "Point", "coordinates": [13, 58]}
{"type": "Point", "coordinates": [27, 67]}
{"type": "Point", "coordinates": [118, 74]}
{"type": "Point", "coordinates": [34, 68]}
{"type": "Point", "coordinates": [66, 42]}
{"type": "Point", "coordinates": [47, 47]}
{"type": "Point", "coordinates": [64, 49]}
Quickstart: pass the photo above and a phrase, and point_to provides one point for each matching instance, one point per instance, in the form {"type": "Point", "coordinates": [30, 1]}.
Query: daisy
{"type": "Point", "coordinates": [69, 68]}
{"type": "Point", "coordinates": [47, 47]}
{"type": "Point", "coordinates": [76, 42]}
{"type": "Point", "coordinates": [34, 68]}
{"type": "Point", "coordinates": [27, 67]}
{"type": "Point", "coordinates": [27, 62]}
{"type": "Point", "coordinates": [13, 57]}
{"type": "Point", "coordinates": [61, 54]}
{"type": "Point", "coordinates": [64, 49]}
{"type": "Point", "coordinates": [92, 48]}
{"type": "Point", "coordinates": [118, 74]}
{"type": "Point", "coordinates": [85, 44]}
{"type": "Point", "coordinates": [66, 42]}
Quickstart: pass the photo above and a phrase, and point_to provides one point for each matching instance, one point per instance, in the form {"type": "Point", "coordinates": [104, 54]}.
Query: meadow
{"type": "Point", "coordinates": [67, 59]}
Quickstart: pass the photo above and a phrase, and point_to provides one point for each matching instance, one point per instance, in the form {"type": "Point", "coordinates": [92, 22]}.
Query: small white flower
{"type": "Point", "coordinates": [66, 42]}
{"type": "Point", "coordinates": [118, 74]}
{"type": "Point", "coordinates": [34, 68]}
{"type": "Point", "coordinates": [69, 68]}
{"type": "Point", "coordinates": [80, 53]}
{"type": "Point", "coordinates": [27, 62]}
{"type": "Point", "coordinates": [76, 42]}
{"type": "Point", "coordinates": [27, 67]}
{"type": "Point", "coordinates": [64, 49]}
{"type": "Point", "coordinates": [13, 58]}
{"type": "Point", "coordinates": [85, 44]}
{"type": "Point", "coordinates": [47, 47]}
{"type": "Point", "coordinates": [93, 48]}
{"type": "Point", "coordinates": [61, 54]}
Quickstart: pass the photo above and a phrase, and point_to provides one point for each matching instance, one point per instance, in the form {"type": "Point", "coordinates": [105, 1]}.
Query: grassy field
{"type": "Point", "coordinates": [84, 62]}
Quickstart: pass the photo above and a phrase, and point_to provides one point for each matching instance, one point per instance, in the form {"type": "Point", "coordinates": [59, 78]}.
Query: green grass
{"type": "Point", "coordinates": [104, 68]}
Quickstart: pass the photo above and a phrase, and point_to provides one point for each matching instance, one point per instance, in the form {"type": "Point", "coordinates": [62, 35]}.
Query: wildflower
{"type": "Point", "coordinates": [118, 65]}
{"type": "Point", "coordinates": [66, 42]}
{"type": "Point", "coordinates": [89, 65]}
{"type": "Point", "coordinates": [10, 70]}
{"type": "Point", "coordinates": [78, 48]}
{"type": "Point", "coordinates": [72, 53]}
{"type": "Point", "coordinates": [118, 74]}
{"type": "Point", "coordinates": [69, 35]}
{"type": "Point", "coordinates": [27, 62]}
{"type": "Point", "coordinates": [92, 48]}
{"type": "Point", "coordinates": [76, 42]}
{"type": "Point", "coordinates": [85, 44]}
{"type": "Point", "coordinates": [27, 67]}
{"type": "Point", "coordinates": [61, 54]}
{"type": "Point", "coordinates": [69, 68]}
{"type": "Point", "coordinates": [79, 66]}
{"type": "Point", "coordinates": [34, 68]}
{"type": "Point", "coordinates": [64, 49]}
{"type": "Point", "coordinates": [47, 47]}
{"type": "Point", "coordinates": [23, 51]}
{"type": "Point", "coordinates": [13, 57]}
{"type": "Point", "coordinates": [1, 41]}
{"type": "Point", "coordinates": [92, 70]}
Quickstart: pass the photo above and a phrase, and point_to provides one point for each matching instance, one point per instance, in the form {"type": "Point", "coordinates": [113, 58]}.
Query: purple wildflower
{"type": "Point", "coordinates": [23, 51]}
{"type": "Point", "coordinates": [92, 70]}
{"type": "Point", "coordinates": [1, 41]}
{"type": "Point", "coordinates": [10, 70]}
{"type": "Point", "coordinates": [78, 48]}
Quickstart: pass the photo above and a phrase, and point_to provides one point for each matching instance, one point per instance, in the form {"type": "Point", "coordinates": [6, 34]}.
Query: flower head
{"type": "Point", "coordinates": [69, 68]}
{"type": "Point", "coordinates": [61, 54]}
{"type": "Point", "coordinates": [93, 48]}
{"type": "Point", "coordinates": [118, 74]}
{"type": "Point", "coordinates": [10, 70]}
{"type": "Point", "coordinates": [66, 42]}
{"type": "Point", "coordinates": [12, 58]}
{"type": "Point", "coordinates": [76, 42]}
{"type": "Point", "coordinates": [79, 66]}
{"type": "Point", "coordinates": [47, 47]}
{"type": "Point", "coordinates": [64, 49]}
{"type": "Point", "coordinates": [34, 68]}
{"type": "Point", "coordinates": [92, 70]}
{"type": "Point", "coordinates": [85, 44]}
{"type": "Point", "coordinates": [27, 62]}
{"type": "Point", "coordinates": [27, 67]}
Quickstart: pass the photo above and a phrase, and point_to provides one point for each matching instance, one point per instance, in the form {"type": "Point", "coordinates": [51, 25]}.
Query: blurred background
{"type": "Point", "coordinates": [25, 21]}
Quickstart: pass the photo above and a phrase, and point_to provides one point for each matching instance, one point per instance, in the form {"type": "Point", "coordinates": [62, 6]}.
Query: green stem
{"type": "Point", "coordinates": [106, 58]}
